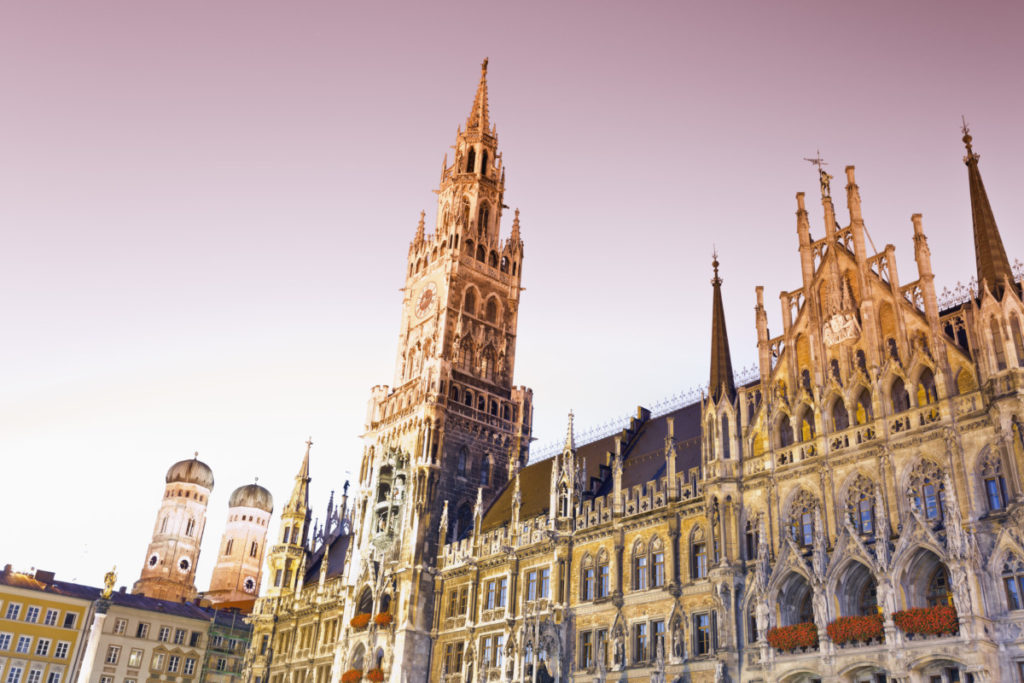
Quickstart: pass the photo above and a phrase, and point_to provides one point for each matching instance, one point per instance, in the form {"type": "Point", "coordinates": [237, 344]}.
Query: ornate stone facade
{"type": "Point", "coordinates": [782, 530]}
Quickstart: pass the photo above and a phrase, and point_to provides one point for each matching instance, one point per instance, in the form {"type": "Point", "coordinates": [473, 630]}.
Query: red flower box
{"type": "Point", "coordinates": [856, 629]}
{"type": "Point", "coordinates": [360, 621]}
{"type": "Point", "coordinates": [375, 675]}
{"type": "Point", "coordinates": [787, 638]}
{"type": "Point", "coordinates": [932, 621]}
{"type": "Point", "coordinates": [351, 676]}
{"type": "Point", "coordinates": [383, 619]}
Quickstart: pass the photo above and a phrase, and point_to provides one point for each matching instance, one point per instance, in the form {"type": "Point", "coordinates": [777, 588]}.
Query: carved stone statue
{"type": "Point", "coordinates": [109, 579]}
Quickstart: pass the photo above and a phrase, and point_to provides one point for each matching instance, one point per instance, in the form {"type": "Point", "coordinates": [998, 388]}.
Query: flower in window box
{"type": "Point", "coordinates": [351, 676]}
{"type": "Point", "coordinates": [360, 621]}
{"type": "Point", "coordinates": [856, 629]}
{"type": "Point", "coordinates": [383, 619]}
{"type": "Point", "coordinates": [375, 675]}
{"type": "Point", "coordinates": [933, 621]}
{"type": "Point", "coordinates": [788, 638]}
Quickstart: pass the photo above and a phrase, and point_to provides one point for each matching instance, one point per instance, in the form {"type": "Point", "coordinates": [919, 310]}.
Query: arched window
{"type": "Point", "coordinates": [840, 416]}
{"type": "Point", "coordinates": [785, 432]}
{"type": "Point", "coordinates": [801, 518]}
{"type": "Point", "coordinates": [163, 526]}
{"type": "Point", "coordinates": [469, 301]}
{"type": "Point", "coordinates": [603, 570]}
{"type": "Point", "coordinates": [190, 527]}
{"type": "Point", "coordinates": [465, 212]}
{"type": "Point", "coordinates": [898, 395]}
{"type": "Point", "coordinates": [657, 563]}
{"type": "Point", "coordinates": [994, 482]}
{"type": "Point", "coordinates": [463, 521]}
{"type": "Point", "coordinates": [483, 217]}
{"type": "Point", "coordinates": [588, 579]}
{"type": "Point", "coordinates": [938, 587]}
{"type": "Point", "coordinates": [485, 471]}
{"type": "Point", "coordinates": [254, 549]}
{"type": "Point", "coordinates": [563, 501]}
{"type": "Point", "coordinates": [481, 253]}
{"type": "Point", "coordinates": [365, 603]}
{"type": "Point", "coordinates": [229, 546]}
{"type": "Point", "coordinates": [864, 412]}
{"type": "Point", "coordinates": [860, 505]}
{"type": "Point", "coordinates": [468, 398]}
{"type": "Point", "coordinates": [862, 362]}
{"type": "Point", "coordinates": [927, 490]}
{"type": "Point", "coordinates": [997, 344]}
{"type": "Point", "coordinates": [698, 554]}
{"type": "Point", "coordinates": [807, 425]}
{"type": "Point", "coordinates": [492, 259]}
{"type": "Point", "coordinates": [454, 393]}
{"type": "Point", "coordinates": [494, 408]}
{"type": "Point", "coordinates": [491, 312]}
{"type": "Point", "coordinates": [460, 463]}
{"type": "Point", "coordinates": [640, 567]}
{"type": "Point", "coordinates": [504, 264]}
{"type": "Point", "coordinates": [471, 160]}
{"type": "Point", "coordinates": [483, 163]}
{"type": "Point", "coordinates": [468, 246]}
{"type": "Point", "coordinates": [926, 392]}
{"type": "Point", "coordinates": [1013, 582]}
{"type": "Point", "coordinates": [726, 438]}
{"type": "Point", "coordinates": [481, 404]}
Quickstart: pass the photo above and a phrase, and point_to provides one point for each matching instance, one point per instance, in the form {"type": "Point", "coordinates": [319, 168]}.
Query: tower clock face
{"type": "Point", "coordinates": [184, 564]}
{"type": "Point", "coordinates": [426, 300]}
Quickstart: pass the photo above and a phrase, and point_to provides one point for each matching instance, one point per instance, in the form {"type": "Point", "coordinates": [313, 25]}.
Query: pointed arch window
{"type": "Point", "coordinates": [726, 438]}
{"type": "Point", "coordinates": [229, 546]}
{"type": "Point", "coordinates": [926, 391]}
{"type": "Point", "coordinates": [460, 463]}
{"type": "Point", "coordinates": [1018, 339]}
{"type": "Point", "coordinates": [1013, 582]}
{"type": "Point", "coordinates": [938, 587]}
{"type": "Point", "coordinates": [801, 518]}
{"type": "Point", "coordinates": [604, 576]}
{"type": "Point", "coordinates": [481, 253]}
{"type": "Point", "coordinates": [469, 301]}
{"type": "Point", "coordinates": [485, 471]}
{"type": "Point", "coordinates": [640, 567]}
{"type": "Point", "coordinates": [927, 491]}
{"type": "Point", "coordinates": [785, 432]}
{"type": "Point", "coordinates": [483, 218]}
{"type": "Point", "coordinates": [470, 160]}
{"type": "Point", "coordinates": [563, 501]}
{"type": "Point", "coordinates": [898, 395]}
{"type": "Point", "coordinates": [190, 528]}
{"type": "Point", "coordinates": [483, 163]}
{"type": "Point", "coordinates": [860, 505]}
{"type": "Point", "coordinates": [864, 412]}
{"type": "Point", "coordinates": [994, 482]}
{"type": "Point", "coordinates": [807, 425]}
{"type": "Point", "coordinates": [840, 416]}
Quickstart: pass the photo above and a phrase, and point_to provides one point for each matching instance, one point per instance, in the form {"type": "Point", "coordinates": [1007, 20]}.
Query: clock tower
{"type": "Point", "coordinates": [453, 425]}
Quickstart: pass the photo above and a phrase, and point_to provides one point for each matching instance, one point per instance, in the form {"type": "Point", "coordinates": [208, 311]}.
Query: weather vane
{"type": "Point", "coordinates": [823, 176]}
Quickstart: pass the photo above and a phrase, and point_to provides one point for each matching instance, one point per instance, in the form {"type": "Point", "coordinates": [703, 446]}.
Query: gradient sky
{"type": "Point", "coordinates": [205, 210]}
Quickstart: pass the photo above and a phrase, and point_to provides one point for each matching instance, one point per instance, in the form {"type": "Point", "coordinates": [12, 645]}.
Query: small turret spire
{"type": "Point", "coordinates": [478, 116]}
{"type": "Point", "coordinates": [993, 265]}
{"type": "Point", "coordinates": [421, 228]}
{"type": "Point", "coordinates": [300, 494]}
{"type": "Point", "coordinates": [515, 227]}
{"type": "Point", "coordinates": [570, 436]}
{"type": "Point", "coordinates": [721, 382]}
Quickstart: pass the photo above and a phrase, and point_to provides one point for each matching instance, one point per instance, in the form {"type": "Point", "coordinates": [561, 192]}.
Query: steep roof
{"type": "Point", "coordinates": [993, 265]}
{"type": "Point", "coordinates": [721, 382]}
{"type": "Point", "coordinates": [44, 582]}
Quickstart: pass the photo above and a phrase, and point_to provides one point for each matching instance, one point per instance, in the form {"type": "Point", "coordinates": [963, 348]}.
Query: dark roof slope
{"type": "Point", "coordinates": [44, 582]}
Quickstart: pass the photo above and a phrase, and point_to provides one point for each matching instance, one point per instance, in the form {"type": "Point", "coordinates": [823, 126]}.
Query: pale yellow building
{"type": "Point", "coordinates": [41, 625]}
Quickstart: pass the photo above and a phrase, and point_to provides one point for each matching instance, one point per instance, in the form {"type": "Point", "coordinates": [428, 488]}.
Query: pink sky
{"type": "Point", "coordinates": [205, 210]}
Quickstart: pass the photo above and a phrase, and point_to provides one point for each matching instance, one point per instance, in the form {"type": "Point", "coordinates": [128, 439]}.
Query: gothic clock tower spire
{"type": "Point", "coordinates": [454, 418]}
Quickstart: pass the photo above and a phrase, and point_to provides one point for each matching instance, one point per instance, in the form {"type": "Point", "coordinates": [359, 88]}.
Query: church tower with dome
{"type": "Point", "coordinates": [237, 574]}
{"type": "Point", "coordinates": [169, 570]}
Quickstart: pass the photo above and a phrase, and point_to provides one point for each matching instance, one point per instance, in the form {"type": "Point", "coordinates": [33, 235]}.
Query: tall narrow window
{"type": "Point", "coordinates": [1018, 340]}
{"type": "Point", "coordinates": [657, 568]}
{"type": "Point", "coordinates": [997, 345]}
{"type": "Point", "coordinates": [865, 413]}
{"type": "Point", "coordinates": [840, 418]}
{"type": "Point", "coordinates": [471, 160]}
{"type": "Point", "coordinates": [900, 399]}
{"type": "Point", "coordinates": [726, 452]}
{"type": "Point", "coordinates": [926, 392]}
{"type": "Point", "coordinates": [785, 432]}
{"type": "Point", "coordinates": [698, 555]}
{"type": "Point", "coordinates": [483, 163]}
{"type": "Point", "coordinates": [190, 527]}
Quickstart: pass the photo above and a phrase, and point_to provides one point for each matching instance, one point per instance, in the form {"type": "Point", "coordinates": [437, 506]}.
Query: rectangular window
{"type": "Point", "coordinates": [658, 638]}
{"type": "Point", "coordinates": [453, 600]}
{"type": "Point", "coordinates": [640, 573]}
{"type": "Point", "coordinates": [5, 641]}
{"type": "Point", "coordinates": [43, 647]}
{"type": "Point", "coordinates": [544, 589]}
{"type": "Point", "coordinates": [700, 560]}
{"type": "Point", "coordinates": [190, 666]}
{"type": "Point", "coordinates": [502, 591]}
{"type": "Point", "coordinates": [499, 650]}
{"type": "Point", "coordinates": [604, 581]}
{"type": "Point", "coordinates": [702, 634]}
{"type": "Point", "coordinates": [601, 646]}
{"type": "Point", "coordinates": [13, 610]}
{"type": "Point", "coordinates": [164, 634]}
{"type": "Point", "coordinates": [34, 676]}
{"type": "Point", "coordinates": [658, 569]}
{"type": "Point", "coordinates": [531, 585]}
{"type": "Point", "coordinates": [61, 651]}
{"type": "Point", "coordinates": [586, 650]}
{"type": "Point", "coordinates": [459, 647]}
{"type": "Point", "coordinates": [488, 653]}
{"type": "Point", "coordinates": [865, 516]}
{"type": "Point", "coordinates": [14, 674]}
{"type": "Point", "coordinates": [179, 636]}
{"type": "Point", "coordinates": [142, 631]}
{"type": "Point", "coordinates": [129, 680]}
{"type": "Point", "coordinates": [448, 651]}
{"type": "Point", "coordinates": [69, 619]}
{"type": "Point", "coordinates": [995, 498]}
{"type": "Point", "coordinates": [135, 658]}
{"type": "Point", "coordinates": [264, 644]}
{"type": "Point", "coordinates": [173, 663]}
{"type": "Point", "coordinates": [32, 614]}
{"type": "Point", "coordinates": [51, 617]}
{"type": "Point", "coordinates": [1013, 597]}
{"type": "Point", "coordinates": [194, 638]}
{"type": "Point", "coordinates": [24, 644]}
{"type": "Point", "coordinates": [157, 662]}
{"type": "Point", "coordinates": [113, 652]}
{"type": "Point", "coordinates": [222, 664]}
{"type": "Point", "coordinates": [53, 677]}
{"type": "Point", "coordinates": [641, 652]}
{"type": "Point", "coordinates": [587, 587]}
{"type": "Point", "coordinates": [491, 594]}
{"type": "Point", "coordinates": [106, 679]}
{"type": "Point", "coordinates": [464, 600]}
{"type": "Point", "coordinates": [120, 626]}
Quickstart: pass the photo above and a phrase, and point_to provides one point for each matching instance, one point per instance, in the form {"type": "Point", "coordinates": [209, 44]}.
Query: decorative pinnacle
{"type": "Point", "coordinates": [971, 155]}
{"type": "Point", "coordinates": [570, 436]}
{"type": "Point", "coordinates": [483, 65]}
{"type": "Point", "coordinates": [309, 444]}
{"type": "Point", "coordinates": [716, 281]}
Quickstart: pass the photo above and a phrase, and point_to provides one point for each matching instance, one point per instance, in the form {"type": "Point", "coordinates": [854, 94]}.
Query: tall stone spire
{"type": "Point", "coordinates": [721, 382]}
{"type": "Point", "coordinates": [993, 266]}
{"type": "Point", "coordinates": [478, 116]}
{"type": "Point", "coordinates": [300, 494]}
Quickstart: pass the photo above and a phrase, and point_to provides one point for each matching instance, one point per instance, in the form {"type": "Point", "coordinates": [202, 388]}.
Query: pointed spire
{"type": "Point", "coordinates": [300, 494]}
{"type": "Point", "coordinates": [515, 227]}
{"type": "Point", "coordinates": [570, 436]}
{"type": "Point", "coordinates": [993, 266]}
{"type": "Point", "coordinates": [721, 382]}
{"type": "Point", "coordinates": [478, 116]}
{"type": "Point", "coordinates": [421, 229]}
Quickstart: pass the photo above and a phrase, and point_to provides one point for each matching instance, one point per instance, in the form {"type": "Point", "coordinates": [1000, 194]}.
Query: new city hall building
{"type": "Point", "coordinates": [853, 513]}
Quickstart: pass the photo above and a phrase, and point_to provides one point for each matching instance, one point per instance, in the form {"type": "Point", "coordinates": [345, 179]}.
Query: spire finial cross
{"type": "Point", "coordinates": [309, 443]}
{"type": "Point", "coordinates": [195, 456]}
{"type": "Point", "coordinates": [965, 129]}
{"type": "Point", "coordinates": [714, 264]}
{"type": "Point", "coordinates": [817, 160]}
{"type": "Point", "coordinates": [823, 175]}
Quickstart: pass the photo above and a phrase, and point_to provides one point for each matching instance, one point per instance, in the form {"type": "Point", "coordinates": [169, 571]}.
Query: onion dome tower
{"type": "Point", "coordinates": [169, 570]}
{"type": "Point", "coordinates": [237, 574]}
